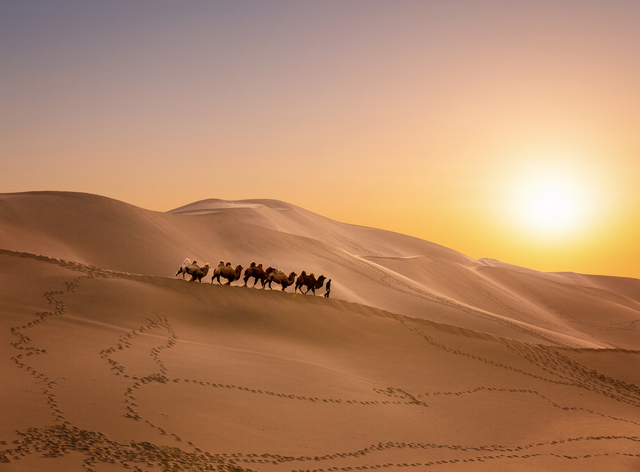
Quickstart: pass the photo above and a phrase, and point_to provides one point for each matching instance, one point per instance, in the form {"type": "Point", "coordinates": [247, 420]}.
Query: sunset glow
{"type": "Point", "coordinates": [506, 130]}
{"type": "Point", "coordinates": [552, 205]}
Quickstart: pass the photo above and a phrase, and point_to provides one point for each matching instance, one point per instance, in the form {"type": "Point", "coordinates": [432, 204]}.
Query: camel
{"type": "Point", "coordinates": [198, 274]}
{"type": "Point", "coordinates": [300, 281]}
{"type": "Point", "coordinates": [258, 273]}
{"type": "Point", "coordinates": [309, 281]}
{"type": "Point", "coordinates": [227, 272]}
{"type": "Point", "coordinates": [317, 285]}
{"type": "Point", "coordinates": [281, 278]}
{"type": "Point", "coordinates": [187, 267]}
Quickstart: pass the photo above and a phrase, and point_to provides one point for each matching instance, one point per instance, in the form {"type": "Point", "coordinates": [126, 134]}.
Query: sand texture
{"type": "Point", "coordinates": [422, 359]}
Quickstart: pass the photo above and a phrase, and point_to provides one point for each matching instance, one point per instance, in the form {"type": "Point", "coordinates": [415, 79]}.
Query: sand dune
{"type": "Point", "coordinates": [423, 359]}
{"type": "Point", "coordinates": [377, 268]}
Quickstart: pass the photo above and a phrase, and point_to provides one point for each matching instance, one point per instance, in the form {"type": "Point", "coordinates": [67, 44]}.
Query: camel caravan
{"type": "Point", "coordinates": [256, 272]}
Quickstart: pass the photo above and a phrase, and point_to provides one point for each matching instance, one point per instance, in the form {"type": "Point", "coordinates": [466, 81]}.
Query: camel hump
{"type": "Point", "coordinates": [221, 263]}
{"type": "Point", "coordinates": [260, 265]}
{"type": "Point", "coordinates": [253, 264]}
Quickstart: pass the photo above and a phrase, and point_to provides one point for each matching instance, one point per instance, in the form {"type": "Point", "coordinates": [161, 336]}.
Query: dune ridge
{"type": "Point", "coordinates": [373, 267]}
{"type": "Point", "coordinates": [422, 359]}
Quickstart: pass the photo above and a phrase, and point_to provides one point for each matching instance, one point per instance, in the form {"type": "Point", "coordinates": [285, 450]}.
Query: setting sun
{"type": "Point", "coordinates": [551, 199]}
{"type": "Point", "coordinates": [551, 205]}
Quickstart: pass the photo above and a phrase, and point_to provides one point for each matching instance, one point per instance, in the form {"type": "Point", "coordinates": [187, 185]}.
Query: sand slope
{"type": "Point", "coordinates": [112, 371]}
{"type": "Point", "coordinates": [377, 268]}
{"type": "Point", "coordinates": [423, 359]}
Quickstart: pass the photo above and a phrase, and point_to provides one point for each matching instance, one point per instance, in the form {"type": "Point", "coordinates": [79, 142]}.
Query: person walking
{"type": "Point", "coordinates": [328, 286]}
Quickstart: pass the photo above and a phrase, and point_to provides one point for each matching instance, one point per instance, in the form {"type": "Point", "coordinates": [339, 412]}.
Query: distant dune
{"type": "Point", "coordinates": [422, 359]}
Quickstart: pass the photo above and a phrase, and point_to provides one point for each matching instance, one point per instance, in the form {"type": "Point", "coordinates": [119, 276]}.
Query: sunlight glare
{"type": "Point", "coordinates": [552, 201]}
{"type": "Point", "coordinates": [550, 205]}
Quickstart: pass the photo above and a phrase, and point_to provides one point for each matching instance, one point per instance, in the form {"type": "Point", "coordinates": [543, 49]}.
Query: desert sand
{"type": "Point", "coordinates": [422, 359]}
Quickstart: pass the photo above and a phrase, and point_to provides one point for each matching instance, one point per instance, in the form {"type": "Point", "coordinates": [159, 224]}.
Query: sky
{"type": "Point", "coordinates": [501, 129]}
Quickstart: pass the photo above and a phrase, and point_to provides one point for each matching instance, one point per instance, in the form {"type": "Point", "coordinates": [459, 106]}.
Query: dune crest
{"type": "Point", "coordinates": [373, 267]}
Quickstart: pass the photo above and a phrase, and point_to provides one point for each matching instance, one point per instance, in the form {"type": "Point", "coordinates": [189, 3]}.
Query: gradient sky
{"type": "Point", "coordinates": [428, 118]}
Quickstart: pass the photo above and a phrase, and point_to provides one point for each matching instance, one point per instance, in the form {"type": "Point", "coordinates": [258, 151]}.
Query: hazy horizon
{"type": "Point", "coordinates": [504, 130]}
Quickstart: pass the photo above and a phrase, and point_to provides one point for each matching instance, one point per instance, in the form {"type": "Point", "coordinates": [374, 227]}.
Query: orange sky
{"type": "Point", "coordinates": [426, 118]}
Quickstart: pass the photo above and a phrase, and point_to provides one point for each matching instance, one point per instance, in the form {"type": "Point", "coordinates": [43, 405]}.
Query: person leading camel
{"type": "Point", "coordinates": [328, 287]}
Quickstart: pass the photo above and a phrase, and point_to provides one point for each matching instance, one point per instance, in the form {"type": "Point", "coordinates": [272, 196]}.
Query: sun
{"type": "Point", "coordinates": [550, 203]}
